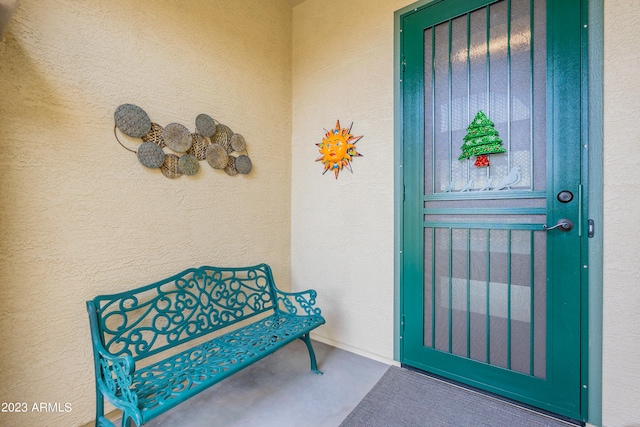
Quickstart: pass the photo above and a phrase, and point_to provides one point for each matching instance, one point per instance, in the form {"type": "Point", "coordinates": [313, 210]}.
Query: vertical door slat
{"type": "Point", "coordinates": [532, 304]}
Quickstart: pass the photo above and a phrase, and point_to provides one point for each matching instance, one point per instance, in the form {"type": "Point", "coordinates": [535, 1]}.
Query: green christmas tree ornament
{"type": "Point", "coordinates": [481, 139]}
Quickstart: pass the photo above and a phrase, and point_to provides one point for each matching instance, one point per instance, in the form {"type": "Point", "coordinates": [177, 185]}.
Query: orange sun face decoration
{"type": "Point", "coordinates": [338, 149]}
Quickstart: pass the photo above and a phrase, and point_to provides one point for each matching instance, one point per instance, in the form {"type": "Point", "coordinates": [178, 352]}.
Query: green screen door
{"type": "Point", "coordinates": [492, 219]}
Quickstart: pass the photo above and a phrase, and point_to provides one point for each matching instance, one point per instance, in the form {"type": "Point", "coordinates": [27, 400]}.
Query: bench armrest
{"type": "Point", "coordinates": [116, 377]}
{"type": "Point", "coordinates": [115, 381]}
{"type": "Point", "coordinates": [114, 374]}
{"type": "Point", "coordinates": [293, 302]}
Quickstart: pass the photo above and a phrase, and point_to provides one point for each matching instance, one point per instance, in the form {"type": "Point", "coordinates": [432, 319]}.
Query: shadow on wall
{"type": "Point", "coordinates": [26, 95]}
{"type": "Point", "coordinates": [29, 107]}
{"type": "Point", "coordinates": [7, 7]}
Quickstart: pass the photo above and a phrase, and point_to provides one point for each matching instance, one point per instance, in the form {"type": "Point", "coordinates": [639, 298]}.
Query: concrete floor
{"type": "Point", "coordinates": [281, 390]}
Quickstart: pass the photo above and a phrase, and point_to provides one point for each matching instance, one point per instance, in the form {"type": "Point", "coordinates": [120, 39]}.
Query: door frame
{"type": "Point", "coordinates": [592, 137]}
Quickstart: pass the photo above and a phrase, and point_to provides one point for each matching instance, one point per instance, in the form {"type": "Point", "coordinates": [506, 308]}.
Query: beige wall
{"type": "Point", "coordinates": [80, 216]}
{"type": "Point", "coordinates": [621, 329]}
{"type": "Point", "coordinates": [342, 230]}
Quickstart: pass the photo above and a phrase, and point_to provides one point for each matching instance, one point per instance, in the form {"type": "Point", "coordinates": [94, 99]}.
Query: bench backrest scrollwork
{"type": "Point", "coordinates": [196, 302]}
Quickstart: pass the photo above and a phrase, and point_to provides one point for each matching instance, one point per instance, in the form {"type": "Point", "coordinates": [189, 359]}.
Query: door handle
{"type": "Point", "coordinates": [563, 224]}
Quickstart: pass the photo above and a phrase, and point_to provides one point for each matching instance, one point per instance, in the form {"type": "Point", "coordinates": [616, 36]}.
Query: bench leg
{"type": "Point", "coordinates": [312, 355]}
{"type": "Point", "coordinates": [101, 420]}
{"type": "Point", "coordinates": [104, 422]}
{"type": "Point", "coordinates": [126, 421]}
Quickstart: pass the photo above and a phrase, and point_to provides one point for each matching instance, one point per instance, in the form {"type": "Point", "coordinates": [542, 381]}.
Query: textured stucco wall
{"type": "Point", "coordinates": [80, 216]}
{"type": "Point", "coordinates": [343, 230]}
{"type": "Point", "coordinates": [621, 294]}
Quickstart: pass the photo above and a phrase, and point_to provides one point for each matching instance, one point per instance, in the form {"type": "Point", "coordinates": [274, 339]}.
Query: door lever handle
{"type": "Point", "coordinates": [563, 224]}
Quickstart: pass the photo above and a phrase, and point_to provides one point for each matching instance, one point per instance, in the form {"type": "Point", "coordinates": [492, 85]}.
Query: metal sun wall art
{"type": "Point", "coordinates": [212, 141]}
{"type": "Point", "coordinates": [481, 140]}
{"type": "Point", "coordinates": [338, 149]}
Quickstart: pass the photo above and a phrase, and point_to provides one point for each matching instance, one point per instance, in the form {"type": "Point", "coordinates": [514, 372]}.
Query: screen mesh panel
{"type": "Point", "coordinates": [484, 251]}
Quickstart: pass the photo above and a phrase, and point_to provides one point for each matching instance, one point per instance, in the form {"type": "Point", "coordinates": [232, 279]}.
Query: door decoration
{"type": "Point", "coordinates": [512, 178]}
{"type": "Point", "coordinates": [481, 139]}
{"type": "Point", "coordinates": [338, 149]}
{"type": "Point", "coordinates": [211, 141]}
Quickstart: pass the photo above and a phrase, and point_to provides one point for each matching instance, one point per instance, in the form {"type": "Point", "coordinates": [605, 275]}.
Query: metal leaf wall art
{"type": "Point", "coordinates": [212, 141]}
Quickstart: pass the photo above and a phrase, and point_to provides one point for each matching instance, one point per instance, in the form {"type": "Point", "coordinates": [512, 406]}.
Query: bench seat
{"type": "Point", "coordinates": [169, 382]}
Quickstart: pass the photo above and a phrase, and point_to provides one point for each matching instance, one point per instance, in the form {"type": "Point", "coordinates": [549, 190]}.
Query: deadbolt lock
{"type": "Point", "coordinates": [565, 196]}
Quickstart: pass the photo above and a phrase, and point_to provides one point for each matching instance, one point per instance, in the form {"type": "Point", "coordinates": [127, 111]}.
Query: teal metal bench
{"type": "Point", "coordinates": [134, 333]}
